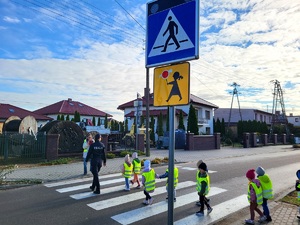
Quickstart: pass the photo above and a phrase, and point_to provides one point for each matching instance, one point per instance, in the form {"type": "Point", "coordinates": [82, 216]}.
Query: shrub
{"type": "Point", "coordinates": [141, 152]}
{"type": "Point", "coordinates": [156, 161]}
{"type": "Point", "coordinates": [165, 159]}
{"type": "Point", "coordinates": [58, 162]}
{"type": "Point", "coordinates": [124, 153]}
{"type": "Point", "coordinates": [110, 155]}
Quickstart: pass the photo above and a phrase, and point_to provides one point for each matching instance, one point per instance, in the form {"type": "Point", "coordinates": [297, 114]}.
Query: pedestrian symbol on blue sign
{"type": "Point", "coordinates": [171, 37]}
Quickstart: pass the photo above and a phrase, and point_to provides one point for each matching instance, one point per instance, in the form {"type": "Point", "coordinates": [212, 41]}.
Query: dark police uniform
{"type": "Point", "coordinates": [97, 154]}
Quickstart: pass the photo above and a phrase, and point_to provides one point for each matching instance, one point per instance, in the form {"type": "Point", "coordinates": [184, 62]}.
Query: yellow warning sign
{"type": "Point", "coordinates": [172, 85]}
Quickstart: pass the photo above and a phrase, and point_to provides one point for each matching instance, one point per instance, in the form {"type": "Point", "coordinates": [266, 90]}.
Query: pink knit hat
{"type": "Point", "coordinates": [250, 174]}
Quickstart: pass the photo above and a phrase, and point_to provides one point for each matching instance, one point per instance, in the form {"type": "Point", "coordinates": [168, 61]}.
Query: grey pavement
{"type": "Point", "coordinates": [281, 213]}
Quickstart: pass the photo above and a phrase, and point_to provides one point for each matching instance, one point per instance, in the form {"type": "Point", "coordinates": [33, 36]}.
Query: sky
{"type": "Point", "coordinates": [94, 52]}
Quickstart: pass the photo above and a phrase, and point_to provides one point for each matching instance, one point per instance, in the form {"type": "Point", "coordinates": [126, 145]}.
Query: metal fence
{"type": "Point", "coordinates": [15, 145]}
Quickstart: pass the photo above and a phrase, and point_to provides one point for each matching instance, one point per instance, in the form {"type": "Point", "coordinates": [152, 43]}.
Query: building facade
{"type": "Point", "coordinates": [204, 113]}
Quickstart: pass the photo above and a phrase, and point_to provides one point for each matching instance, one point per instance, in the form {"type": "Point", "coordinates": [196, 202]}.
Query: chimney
{"type": "Point", "coordinates": [69, 99]}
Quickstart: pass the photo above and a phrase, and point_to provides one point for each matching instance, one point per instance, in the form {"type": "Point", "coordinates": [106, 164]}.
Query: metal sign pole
{"type": "Point", "coordinates": [136, 104]}
{"type": "Point", "coordinates": [147, 114]}
{"type": "Point", "coordinates": [171, 165]}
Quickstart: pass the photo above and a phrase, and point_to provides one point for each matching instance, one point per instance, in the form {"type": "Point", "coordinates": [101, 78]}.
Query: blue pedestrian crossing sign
{"type": "Point", "coordinates": [172, 32]}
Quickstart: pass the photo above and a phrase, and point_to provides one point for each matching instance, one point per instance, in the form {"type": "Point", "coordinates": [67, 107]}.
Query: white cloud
{"type": "Point", "coordinates": [251, 47]}
{"type": "Point", "coordinates": [11, 20]}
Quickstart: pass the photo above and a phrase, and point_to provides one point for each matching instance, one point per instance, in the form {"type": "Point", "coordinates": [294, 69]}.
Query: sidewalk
{"type": "Point", "coordinates": [282, 213]}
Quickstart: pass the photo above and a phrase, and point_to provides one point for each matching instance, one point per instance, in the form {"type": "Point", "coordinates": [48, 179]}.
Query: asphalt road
{"type": "Point", "coordinates": [56, 205]}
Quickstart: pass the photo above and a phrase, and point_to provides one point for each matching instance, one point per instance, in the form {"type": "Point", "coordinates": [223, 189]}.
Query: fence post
{"type": "Point", "coordinates": [5, 147]}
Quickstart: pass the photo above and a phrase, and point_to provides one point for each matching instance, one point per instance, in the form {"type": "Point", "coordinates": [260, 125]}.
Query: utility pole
{"type": "Point", "coordinates": [278, 118]}
{"type": "Point", "coordinates": [235, 92]}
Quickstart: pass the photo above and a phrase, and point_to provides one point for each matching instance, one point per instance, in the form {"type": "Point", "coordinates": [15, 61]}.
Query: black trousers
{"type": "Point", "coordinates": [96, 166]}
{"type": "Point", "coordinates": [147, 195]}
{"type": "Point", "coordinates": [203, 201]}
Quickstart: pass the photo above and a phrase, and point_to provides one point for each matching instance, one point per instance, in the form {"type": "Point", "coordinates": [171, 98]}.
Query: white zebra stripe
{"type": "Point", "coordinates": [219, 211]}
{"type": "Point", "coordinates": [65, 182]}
{"type": "Point", "coordinates": [160, 207]}
{"type": "Point", "coordinates": [134, 196]}
{"type": "Point", "coordinates": [103, 191]}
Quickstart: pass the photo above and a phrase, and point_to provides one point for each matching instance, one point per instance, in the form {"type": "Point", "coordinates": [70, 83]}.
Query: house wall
{"type": "Point", "coordinates": [247, 114]}
{"type": "Point", "coordinates": [204, 128]}
{"type": "Point", "coordinates": [295, 120]}
{"type": "Point", "coordinates": [205, 117]}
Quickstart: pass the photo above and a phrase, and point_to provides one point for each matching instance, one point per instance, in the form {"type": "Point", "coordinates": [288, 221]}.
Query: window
{"type": "Point", "coordinates": [197, 113]}
{"type": "Point", "coordinates": [296, 120]}
{"type": "Point", "coordinates": [207, 114]}
{"type": "Point", "coordinates": [102, 121]}
{"type": "Point", "coordinates": [207, 130]}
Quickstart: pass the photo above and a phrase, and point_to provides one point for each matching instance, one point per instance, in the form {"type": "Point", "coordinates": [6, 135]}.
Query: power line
{"type": "Point", "coordinates": [83, 25]}
{"type": "Point", "coordinates": [130, 15]}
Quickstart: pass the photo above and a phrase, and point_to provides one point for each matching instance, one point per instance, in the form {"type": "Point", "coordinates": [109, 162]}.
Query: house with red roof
{"type": "Point", "coordinates": [68, 107]}
{"type": "Point", "coordinates": [204, 112]}
{"type": "Point", "coordinates": [8, 111]}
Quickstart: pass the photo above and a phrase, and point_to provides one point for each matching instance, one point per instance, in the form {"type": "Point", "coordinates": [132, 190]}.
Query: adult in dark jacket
{"type": "Point", "coordinates": [97, 154]}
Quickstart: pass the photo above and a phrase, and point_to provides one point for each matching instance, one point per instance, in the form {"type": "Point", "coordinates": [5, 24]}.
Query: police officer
{"type": "Point", "coordinates": [97, 154]}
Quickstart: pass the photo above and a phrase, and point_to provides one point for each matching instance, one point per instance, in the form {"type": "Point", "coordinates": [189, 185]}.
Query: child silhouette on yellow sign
{"type": "Point", "coordinates": [175, 89]}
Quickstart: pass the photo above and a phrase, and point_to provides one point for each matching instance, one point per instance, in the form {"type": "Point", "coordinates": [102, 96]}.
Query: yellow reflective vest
{"type": "Point", "coordinates": [149, 180]}
{"type": "Point", "coordinates": [136, 167]}
{"type": "Point", "coordinates": [127, 170]}
{"type": "Point", "coordinates": [205, 179]}
{"type": "Point", "coordinates": [267, 189]}
{"type": "Point", "coordinates": [175, 176]}
{"type": "Point", "coordinates": [258, 193]}
{"type": "Point", "coordinates": [298, 192]}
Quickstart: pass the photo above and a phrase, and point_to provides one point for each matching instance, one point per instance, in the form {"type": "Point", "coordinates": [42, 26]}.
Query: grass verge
{"type": "Point", "coordinates": [291, 198]}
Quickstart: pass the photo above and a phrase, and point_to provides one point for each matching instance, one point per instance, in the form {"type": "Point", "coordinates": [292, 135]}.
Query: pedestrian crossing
{"type": "Point", "coordinates": [160, 207]}
{"type": "Point", "coordinates": [78, 189]}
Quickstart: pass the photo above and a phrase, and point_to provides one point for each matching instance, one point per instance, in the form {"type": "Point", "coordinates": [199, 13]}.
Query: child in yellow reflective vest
{"type": "Point", "coordinates": [255, 197]}
{"type": "Point", "coordinates": [166, 174]}
{"type": "Point", "coordinates": [205, 198]}
{"type": "Point", "coordinates": [148, 180]}
{"type": "Point", "coordinates": [297, 187]}
{"type": "Point", "coordinates": [136, 169]}
{"type": "Point", "coordinates": [267, 190]}
{"type": "Point", "coordinates": [127, 171]}
{"type": "Point", "coordinates": [203, 187]}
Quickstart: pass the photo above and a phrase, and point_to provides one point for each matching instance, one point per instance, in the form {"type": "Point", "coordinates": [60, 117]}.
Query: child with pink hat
{"type": "Point", "coordinates": [255, 197]}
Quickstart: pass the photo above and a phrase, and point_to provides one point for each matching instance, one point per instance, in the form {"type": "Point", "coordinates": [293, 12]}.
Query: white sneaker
{"type": "Point", "coordinates": [249, 221]}
{"type": "Point", "coordinates": [145, 202]}
{"type": "Point", "coordinates": [209, 210]}
{"type": "Point", "coordinates": [262, 219]}
{"type": "Point", "coordinates": [127, 189]}
{"type": "Point", "coordinates": [150, 201]}
{"type": "Point", "coordinates": [199, 213]}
